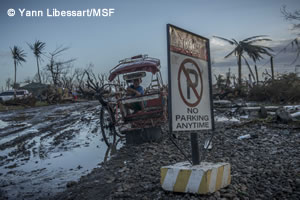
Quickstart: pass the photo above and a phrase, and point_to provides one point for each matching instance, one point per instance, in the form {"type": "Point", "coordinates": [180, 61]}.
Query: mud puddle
{"type": "Point", "coordinates": [45, 149]}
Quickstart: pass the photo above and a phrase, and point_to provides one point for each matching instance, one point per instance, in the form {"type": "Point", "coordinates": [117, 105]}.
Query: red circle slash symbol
{"type": "Point", "coordinates": [190, 84]}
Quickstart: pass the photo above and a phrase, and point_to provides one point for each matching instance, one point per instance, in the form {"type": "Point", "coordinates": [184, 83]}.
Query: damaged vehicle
{"type": "Point", "coordinates": [127, 106]}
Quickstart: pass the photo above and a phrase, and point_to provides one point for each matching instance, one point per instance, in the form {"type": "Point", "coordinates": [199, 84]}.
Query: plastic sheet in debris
{"type": "Point", "coordinates": [208, 144]}
{"type": "Point", "coordinates": [247, 136]}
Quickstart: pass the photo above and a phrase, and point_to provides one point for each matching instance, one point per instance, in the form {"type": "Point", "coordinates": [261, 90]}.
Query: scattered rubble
{"type": "Point", "coordinates": [284, 114]}
{"type": "Point", "coordinates": [265, 166]}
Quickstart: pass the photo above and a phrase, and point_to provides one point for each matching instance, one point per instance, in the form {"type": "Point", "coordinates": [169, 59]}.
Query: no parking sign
{"type": "Point", "coordinates": [190, 105]}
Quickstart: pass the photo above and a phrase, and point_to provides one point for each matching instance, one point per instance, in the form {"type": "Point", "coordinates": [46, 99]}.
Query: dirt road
{"type": "Point", "coordinates": [43, 149]}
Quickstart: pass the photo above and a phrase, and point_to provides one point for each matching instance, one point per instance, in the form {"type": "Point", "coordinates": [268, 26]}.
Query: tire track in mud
{"type": "Point", "coordinates": [56, 127]}
{"type": "Point", "coordinates": [62, 142]}
{"type": "Point", "coordinates": [18, 140]}
{"type": "Point", "coordinates": [30, 135]}
{"type": "Point", "coordinates": [39, 129]}
{"type": "Point", "coordinates": [61, 120]}
{"type": "Point", "coordinates": [15, 130]}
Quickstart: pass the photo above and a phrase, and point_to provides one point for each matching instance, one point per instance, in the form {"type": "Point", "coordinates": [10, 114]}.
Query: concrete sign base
{"type": "Point", "coordinates": [201, 179]}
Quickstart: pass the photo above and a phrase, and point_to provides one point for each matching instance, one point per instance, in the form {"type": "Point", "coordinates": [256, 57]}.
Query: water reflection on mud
{"type": "Point", "coordinates": [56, 145]}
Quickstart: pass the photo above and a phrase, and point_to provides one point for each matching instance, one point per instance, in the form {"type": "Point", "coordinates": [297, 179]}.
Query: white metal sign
{"type": "Point", "coordinates": [189, 81]}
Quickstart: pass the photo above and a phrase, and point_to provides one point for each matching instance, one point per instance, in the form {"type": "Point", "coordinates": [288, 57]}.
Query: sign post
{"type": "Point", "coordinates": [190, 110]}
{"type": "Point", "coordinates": [195, 148]}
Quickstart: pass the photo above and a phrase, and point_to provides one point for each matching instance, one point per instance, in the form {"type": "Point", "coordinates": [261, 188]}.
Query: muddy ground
{"type": "Point", "coordinates": [264, 166]}
{"type": "Point", "coordinates": [42, 149]}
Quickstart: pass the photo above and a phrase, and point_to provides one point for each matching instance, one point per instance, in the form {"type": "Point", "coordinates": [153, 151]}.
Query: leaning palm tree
{"type": "Point", "coordinates": [19, 56]}
{"type": "Point", "coordinates": [248, 46]}
{"type": "Point", "coordinates": [37, 49]}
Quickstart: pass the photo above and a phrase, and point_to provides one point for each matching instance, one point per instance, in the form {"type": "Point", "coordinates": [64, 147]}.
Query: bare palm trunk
{"type": "Point", "coordinates": [272, 68]}
{"type": "Point", "coordinates": [256, 73]}
{"type": "Point", "coordinates": [15, 82]}
{"type": "Point", "coordinates": [15, 73]}
{"type": "Point", "coordinates": [240, 70]}
{"type": "Point", "coordinates": [38, 67]}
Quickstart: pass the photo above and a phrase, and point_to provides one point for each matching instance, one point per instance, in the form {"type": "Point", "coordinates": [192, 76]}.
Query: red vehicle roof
{"type": "Point", "coordinates": [148, 65]}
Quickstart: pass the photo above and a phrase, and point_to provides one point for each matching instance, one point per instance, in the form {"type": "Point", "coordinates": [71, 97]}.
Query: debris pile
{"type": "Point", "coordinates": [285, 89]}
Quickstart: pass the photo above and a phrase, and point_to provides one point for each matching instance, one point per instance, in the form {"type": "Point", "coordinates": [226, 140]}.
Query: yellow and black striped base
{"type": "Point", "coordinates": [202, 179]}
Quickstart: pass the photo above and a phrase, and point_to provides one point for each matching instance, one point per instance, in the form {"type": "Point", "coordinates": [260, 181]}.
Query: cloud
{"type": "Point", "coordinates": [214, 42]}
{"type": "Point", "coordinates": [219, 49]}
{"type": "Point", "coordinates": [295, 29]}
{"type": "Point", "coordinates": [218, 46]}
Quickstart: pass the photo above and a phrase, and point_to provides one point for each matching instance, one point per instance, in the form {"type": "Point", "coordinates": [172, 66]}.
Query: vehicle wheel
{"type": "Point", "coordinates": [117, 129]}
{"type": "Point", "coordinates": [119, 133]}
{"type": "Point", "coordinates": [107, 126]}
{"type": "Point", "coordinates": [117, 121]}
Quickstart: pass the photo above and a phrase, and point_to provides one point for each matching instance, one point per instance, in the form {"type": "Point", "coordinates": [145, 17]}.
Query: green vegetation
{"type": "Point", "coordinates": [6, 108]}
{"type": "Point", "coordinates": [19, 107]}
{"type": "Point", "coordinates": [41, 103]}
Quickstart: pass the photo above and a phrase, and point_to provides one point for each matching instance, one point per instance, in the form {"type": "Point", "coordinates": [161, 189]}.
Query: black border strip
{"type": "Point", "coordinates": [210, 87]}
{"type": "Point", "coordinates": [169, 81]}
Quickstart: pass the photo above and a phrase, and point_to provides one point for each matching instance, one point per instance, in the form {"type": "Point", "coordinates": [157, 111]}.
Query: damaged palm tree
{"type": "Point", "coordinates": [248, 46]}
{"type": "Point", "coordinates": [37, 49]}
{"type": "Point", "coordinates": [18, 56]}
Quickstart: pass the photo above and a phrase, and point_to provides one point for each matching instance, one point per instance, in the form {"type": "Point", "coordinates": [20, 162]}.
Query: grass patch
{"type": "Point", "coordinates": [6, 108]}
{"type": "Point", "coordinates": [41, 103]}
{"type": "Point", "coordinates": [11, 107]}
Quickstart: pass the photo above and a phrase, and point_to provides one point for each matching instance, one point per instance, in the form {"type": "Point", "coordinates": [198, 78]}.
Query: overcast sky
{"type": "Point", "coordinates": [139, 26]}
